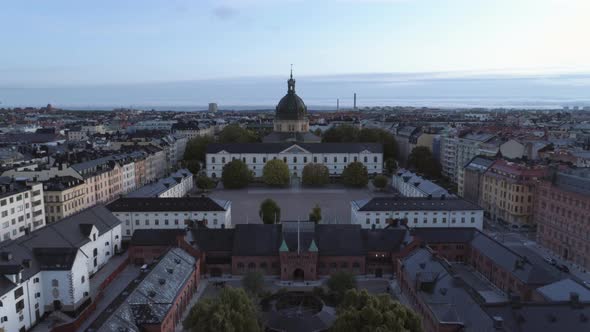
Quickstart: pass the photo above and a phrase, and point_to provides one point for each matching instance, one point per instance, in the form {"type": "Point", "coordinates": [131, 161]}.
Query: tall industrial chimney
{"type": "Point", "coordinates": [354, 107]}
{"type": "Point", "coordinates": [337, 105]}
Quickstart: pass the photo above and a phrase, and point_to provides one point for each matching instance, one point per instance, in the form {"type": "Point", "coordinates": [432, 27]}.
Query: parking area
{"type": "Point", "coordinates": [295, 203]}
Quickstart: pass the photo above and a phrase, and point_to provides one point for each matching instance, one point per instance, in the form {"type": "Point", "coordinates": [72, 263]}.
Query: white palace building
{"type": "Point", "coordinates": [292, 142]}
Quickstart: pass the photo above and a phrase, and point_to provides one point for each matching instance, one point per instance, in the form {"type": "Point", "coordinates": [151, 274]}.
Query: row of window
{"type": "Point", "coordinates": [295, 159]}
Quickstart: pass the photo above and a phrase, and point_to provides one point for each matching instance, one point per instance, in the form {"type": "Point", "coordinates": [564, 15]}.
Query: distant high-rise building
{"type": "Point", "coordinates": [212, 107]}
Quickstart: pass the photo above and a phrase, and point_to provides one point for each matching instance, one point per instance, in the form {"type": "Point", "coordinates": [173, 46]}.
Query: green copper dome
{"type": "Point", "coordinates": [291, 107]}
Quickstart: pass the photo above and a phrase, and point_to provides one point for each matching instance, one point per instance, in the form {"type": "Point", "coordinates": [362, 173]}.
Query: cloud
{"type": "Point", "coordinates": [224, 12]}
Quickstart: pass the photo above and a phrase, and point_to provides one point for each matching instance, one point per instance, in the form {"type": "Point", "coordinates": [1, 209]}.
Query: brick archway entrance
{"type": "Point", "coordinates": [298, 275]}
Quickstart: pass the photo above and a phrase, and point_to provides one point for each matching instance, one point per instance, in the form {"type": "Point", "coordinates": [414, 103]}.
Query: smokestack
{"type": "Point", "coordinates": [337, 105]}
{"type": "Point", "coordinates": [354, 107]}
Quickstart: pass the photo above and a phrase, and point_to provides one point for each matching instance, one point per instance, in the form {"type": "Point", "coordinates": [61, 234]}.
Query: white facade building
{"type": "Point", "coordinates": [335, 156]}
{"type": "Point", "coordinates": [49, 269]}
{"type": "Point", "coordinates": [170, 213]}
{"type": "Point", "coordinates": [411, 185]}
{"type": "Point", "coordinates": [379, 212]}
{"type": "Point", "coordinates": [22, 209]}
{"type": "Point", "coordinates": [178, 184]}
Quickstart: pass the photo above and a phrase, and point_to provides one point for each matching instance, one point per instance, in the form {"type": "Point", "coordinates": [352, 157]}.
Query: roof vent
{"type": "Point", "coordinates": [177, 260]}
{"type": "Point", "coordinates": [498, 322]}
{"type": "Point", "coordinates": [170, 271]}
{"type": "Point", "coordinates": [443, 291]}
{"type": "Point", "coordinates": [26, 263]}
{"type": "Point", "coordinates": [422, 266]}
{"type": "Point", "coordinates": [152, 294]}
{"type": "Point", "coordinates": [162, 281]}
{"type": "Point", "coordinates": [6, 256]}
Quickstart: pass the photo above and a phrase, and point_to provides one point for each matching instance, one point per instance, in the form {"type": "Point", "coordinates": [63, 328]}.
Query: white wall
{"type": "Point", "coordinates": [296, 161]}
{"type": "Point", "coordinates": [442, 218]}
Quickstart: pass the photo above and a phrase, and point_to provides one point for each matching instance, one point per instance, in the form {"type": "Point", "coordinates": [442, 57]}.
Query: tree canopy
{"type": "Point", "coordinates": [196, 148]}
{"type": "Point", "coordinates": [316, 214]}
{"type": "Point", "coordinates": [346, 133]}
{"type": "Point", "coordinates": [233, 133]}
{"type": "Point", "coordinates": [355, 175]}
{"type": "Point", "coordinates": [269, 211]}
{"type": "Point", "coordinates": [315, 175]}
{"type": "Point", "coordinates": [232, 311]}
{"type": "Point", "coordinates": [205, 183]}
{"type": "Point", "coordinates": [276, 173]}
{"type": "Point", "coordinates": [340, 282]}
{"type": "Point", "coordinates": [236, 175]}
{"type": "Point", "coordinates": [361, 312]}
{"type": "Point", "coordinates": [421, 160]}
{"type": "Point", "coordinates": [380, 181]}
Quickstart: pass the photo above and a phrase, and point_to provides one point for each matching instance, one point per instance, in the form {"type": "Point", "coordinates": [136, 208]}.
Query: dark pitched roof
{"type": "Point", "coordinates": [276, 137]}
{"type": "Point", "coordinates": [60, 259]}
{"type": "Point", "coordinates": [257, 240]}
{"type": "Point", "coordinates": [311, 147]}
{"type": "Point", "coordinates": [415, 204]}
{"type": "Point", "coordinates": [444, 235]}
{"type": "Point", "coordinates": [212, 239]}
{"type": "Point", "coordinates": [154, 204]}
{"type": "Point", "coordinates": [153, 237]}
{"type": "Point", "coordinates": [340, 240]}
{"type": "Point", "coordinates": [384, 239]}
{"type": "Point", "coordinates": [546, 317]}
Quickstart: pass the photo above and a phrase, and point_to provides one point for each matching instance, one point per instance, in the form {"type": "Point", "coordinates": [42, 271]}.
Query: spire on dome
{"type": "Point", "coordinates": [291, 82]}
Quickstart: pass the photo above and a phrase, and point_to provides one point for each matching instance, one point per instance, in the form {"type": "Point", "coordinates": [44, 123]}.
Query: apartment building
{"type": "Point", "coordinates": [178, 184]}
{"type": "Point", "coordinates": [170, 213]}
{"type": "Point", "coordinates": [509, 192]}
{"type": "Point", "coordinates": [562, 214]}
{"type": "Point", "coordinates": [21, 208]}
{"type": "Point", "coordinates": [473, 178]}
{"type": "Point", "coordinates": [335, 156]}
{"type": "Point", "coordinates": [409, 184]}
{"type": "Point", "coordinates": [49, 269]}
{"type": "Point", "coordinates": [64, 196]}
{"type": "Point", "coordinates": [103, 179]}
{"type": "Point", "coordinates": [448, 158]}
{"type": "Point", "coordinates": [468, 146]}
{"type": "Point", "coordinates": [192, 129]}
{"type": "Point", "coordinates": [416, 212]}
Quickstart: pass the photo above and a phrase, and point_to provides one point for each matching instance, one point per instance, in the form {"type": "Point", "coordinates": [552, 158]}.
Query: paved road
{"type": "Point", "coordinates": [295, 203]}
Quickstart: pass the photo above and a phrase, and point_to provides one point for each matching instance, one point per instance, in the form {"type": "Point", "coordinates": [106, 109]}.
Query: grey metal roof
{"type": "Point", "coordinates": [153, 297]}
{"type": "Point", "coordinates": [154, 204]}
{"type": "Point", "coordinates": [265, 148]}
{"type": "Point", "coordinates": [448, 299]}
{"type": "Point", "coordinates": [257, 240]}
{"type": "Point", "coordinates": [415, 204]}
{"type": "Point", "coordinates": [545, 317]}
{"type": "Point", "coordinates": [340, 240]}
{"type": "Point", "coordinates": [444, 235]}
{"type": "Point", "coordinates": [561, 290]}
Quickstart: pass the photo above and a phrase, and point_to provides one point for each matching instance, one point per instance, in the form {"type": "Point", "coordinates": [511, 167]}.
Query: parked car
{"type": "Point", "coordinates": [550, 260]}
{"type": "Point", "coordinates": [563, 268]}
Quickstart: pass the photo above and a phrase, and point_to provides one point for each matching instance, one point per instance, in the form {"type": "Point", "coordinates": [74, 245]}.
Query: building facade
{"type": "Point", "coordinates": [335, 156]}
{"type": "Point", "coordinates": [414, 212]}
{"type": "Point", "coordinates": [562, 214]}
{"type": "Point", "coordinates": [468, 146]}
{"type": "Point", "coordinates": [170, 213]}
{"type": "Point", "coordinates": [473, 178]}
{"type": "Point", "coordinates": [178, 184]}
{"type": "Point", "coordinates": [409, 184]}
{"type": "Point", "coordinates": [509, 192]}
{"type": "Point", "coordinates": [22, 208]}
{"type": "Point", "coordinates": [64, 196]}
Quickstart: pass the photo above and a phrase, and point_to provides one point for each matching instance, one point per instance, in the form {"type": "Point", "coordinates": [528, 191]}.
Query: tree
{"type": "Point", "coordinates": [348, 133]}
{"type": "Point", "coordinates": [233, 133]}
{"type": "Point", "coordinates": [355, 175]}
{"type": "Point", "coordinates": [422, 161]}
{"type": "Point", "coordinates": [390, 165]}
{"type": "Point", "coordinates": [193, 165]}
{"type": "Point", "coordinates": [196, 148]}
{"type": "Point", "coordinates": [276, 173]}
{"type": "Point", "coordinates": [205, 183]}
{"type": "Point", "coordinates": [253, 282]}
{"type": "Point", "coordinates": [236, 175]}
{"type": "Point", "coordinates": [315, 175]}
{"type": "Point", "coordinates": [269, 212]}
{"type": "Point", "coordinates": [232, 311]}
{"type": "Point", "coordinates": [380, 182]}
{"type": "Point", "coordinates": [340, 134]}
{"type": "Point", "coordinates": [360, 311]}
{"type": "Point", "coordinates": [316, 214]}
{"type": "Point", "coordinates": [340, 282]}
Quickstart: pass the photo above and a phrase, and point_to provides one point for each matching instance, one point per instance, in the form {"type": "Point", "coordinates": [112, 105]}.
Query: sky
{"type": "Point", "coordinates": [114, 44]}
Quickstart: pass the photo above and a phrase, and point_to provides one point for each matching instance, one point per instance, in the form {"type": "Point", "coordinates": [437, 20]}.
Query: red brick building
{"type": "Point", "coordinates": [562, 213]}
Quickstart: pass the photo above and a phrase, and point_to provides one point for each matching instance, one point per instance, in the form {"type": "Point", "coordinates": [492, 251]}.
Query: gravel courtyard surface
{"type": "Point", "coordinates": [295, 203]}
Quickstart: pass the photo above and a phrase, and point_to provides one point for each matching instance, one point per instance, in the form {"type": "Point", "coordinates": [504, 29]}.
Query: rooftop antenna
{"type": "Point", "coordinates": [291, 71]}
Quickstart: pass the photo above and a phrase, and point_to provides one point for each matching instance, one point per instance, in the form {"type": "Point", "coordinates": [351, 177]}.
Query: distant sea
{"type": "Point", "coordinates": [452, 90]}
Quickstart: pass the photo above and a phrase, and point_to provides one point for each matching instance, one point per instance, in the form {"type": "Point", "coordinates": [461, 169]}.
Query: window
{"type": "Point", "coordinates": [18, 292]}
{"type": "Point", "coordinates": [83, 279]}
{"type": "Point", "coordinates": [20, 305]}
{"type": "Point", "coordinates": [54, 283]}
{"type": "Point", "coordinates": [366, 159]}
{"type": "Point", "coordinates": [95, 252]}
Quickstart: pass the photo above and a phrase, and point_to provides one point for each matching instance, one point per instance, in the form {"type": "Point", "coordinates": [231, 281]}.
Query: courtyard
{"type": "Point", "coordinates": [295, 202]}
